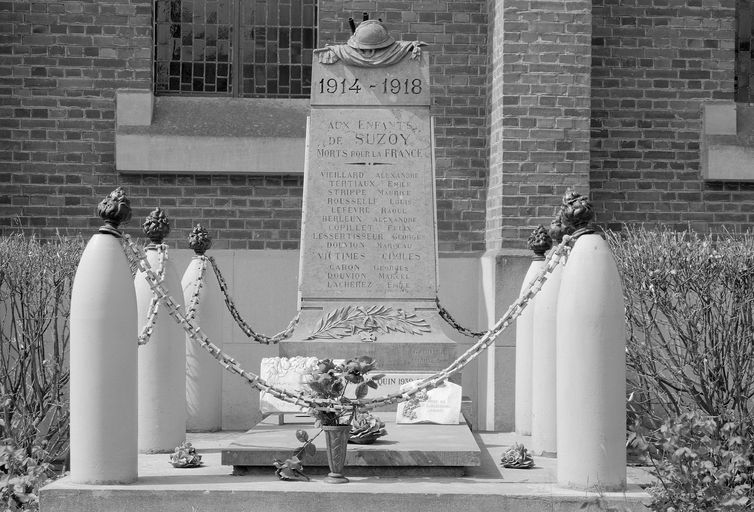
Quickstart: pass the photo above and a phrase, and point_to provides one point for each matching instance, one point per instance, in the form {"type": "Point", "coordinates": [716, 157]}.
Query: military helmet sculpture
{"type": "Point", "coordinates": [370, 45]}
{"type": "Point", "coordinates": [370, 35]}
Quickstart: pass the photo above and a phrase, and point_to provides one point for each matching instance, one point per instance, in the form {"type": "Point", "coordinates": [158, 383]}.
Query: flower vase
{"type": "Point", "coordinates": [337, 444]}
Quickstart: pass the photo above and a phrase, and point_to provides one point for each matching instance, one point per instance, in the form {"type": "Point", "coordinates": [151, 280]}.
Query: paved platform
{"type": "Point", "coordinates": [407, 450]}
{"type": "Point", "coordinates": [213, 488]}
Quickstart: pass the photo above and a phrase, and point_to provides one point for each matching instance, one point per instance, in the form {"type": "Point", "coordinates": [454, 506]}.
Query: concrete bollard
{"type": "Point", "coordinates": [524, 336]}
{"type": "Point", "coordinates": [203, 374]}
{"type": "Point", "coordinates": [162, 360]}
{"type": "Point", "coordinates": [543, 401]}
{"type": "Point", "coordinates": [591, 367]}
{"type": "Point", "coordinates": [104, 357]}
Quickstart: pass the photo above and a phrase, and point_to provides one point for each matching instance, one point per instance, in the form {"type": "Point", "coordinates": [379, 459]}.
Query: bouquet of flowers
{"type": "Point", "coordinates": [330, 381]}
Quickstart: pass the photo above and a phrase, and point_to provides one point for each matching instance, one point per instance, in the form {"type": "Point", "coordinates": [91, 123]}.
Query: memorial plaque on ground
{"type": "Point", "coordinates": [368, 272]}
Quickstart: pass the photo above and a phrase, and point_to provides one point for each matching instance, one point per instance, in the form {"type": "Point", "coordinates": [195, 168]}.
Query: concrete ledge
{"type": "Point", "coordinates": [728, 162]}
{"type": "Point", "coordinates": [193, 154]}
{"type": "Point", "coordinates": [217, 135]}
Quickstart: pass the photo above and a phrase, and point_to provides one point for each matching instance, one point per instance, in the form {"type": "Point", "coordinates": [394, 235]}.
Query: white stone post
{"type": "Point", "coordinates": [525, 337]}
{"type": "Point", "coordinates": [162, 360]}
{"type": "Point", "coordinates": [591, 367]}
{"type": "Point", "coordinates": [203, 373]}
{"type": "Point", "coordinates": [543, 402]}
{"type": "Point", "coordinates": [103, 357]}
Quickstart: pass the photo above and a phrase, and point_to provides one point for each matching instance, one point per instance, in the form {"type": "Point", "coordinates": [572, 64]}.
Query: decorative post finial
{"type": "Point", "coordinates": [115, 210]}
{"type": "Point", "coordinates": [156, 226]}
{"type": "Point", "coordinates": [556, 229]}
{"type": "Point", "coordinates": [539, 242]}
{"type": "Point", "coordinates": [199, 240]}
{"type": "Point", "coordinates": [577, 212]}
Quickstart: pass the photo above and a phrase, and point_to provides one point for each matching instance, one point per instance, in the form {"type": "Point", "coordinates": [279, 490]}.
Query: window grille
{"type": "Point", "coordinates": [251, 48]}
{"type": "Point", "coordinates": [744, 81]}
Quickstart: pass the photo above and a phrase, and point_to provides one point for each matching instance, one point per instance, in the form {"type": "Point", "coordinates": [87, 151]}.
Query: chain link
{"type": "Point", "coordinates": [245, 327]}
{"type": "Point", "coordinates": [154, 304]}
{"type": "Point", "coordinates": [445, 315]}
{"type": "Point", "coordinates": [301, 399]}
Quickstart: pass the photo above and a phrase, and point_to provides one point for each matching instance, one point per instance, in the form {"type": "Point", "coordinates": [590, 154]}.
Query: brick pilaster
{"type": "Point", "coordinates": [539, 118]}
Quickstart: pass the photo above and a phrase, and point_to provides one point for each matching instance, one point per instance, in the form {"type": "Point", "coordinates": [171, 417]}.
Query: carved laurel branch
{"type": "Point", "coordinates": [350, 320]}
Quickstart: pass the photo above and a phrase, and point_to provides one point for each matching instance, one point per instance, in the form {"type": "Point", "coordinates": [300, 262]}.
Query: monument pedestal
{"type": "Point", "coordinates": [407, 450]}
{"type": "Point", "coordinates": [404, 338]}
{"type": "Point", "coordinates": [400, 336]}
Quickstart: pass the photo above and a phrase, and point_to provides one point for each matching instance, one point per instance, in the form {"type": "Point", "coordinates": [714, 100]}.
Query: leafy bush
{"type": "Point", "coordinates": [690, 323]}
{"type": "Point", "coordinates": [25, 474]}
{"type": "Point", "coordinates": [690, 361]}
{"type": "Point", "coordinates": [35, 289]}
{"type": "Point", "coordinates": [703, 463]}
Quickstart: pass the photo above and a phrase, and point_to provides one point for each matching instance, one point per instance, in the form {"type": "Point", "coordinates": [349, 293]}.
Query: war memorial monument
{"type": "Point", "coordinates": [368, 272]}
{"type": "Point", "coordinates": [367, 287]}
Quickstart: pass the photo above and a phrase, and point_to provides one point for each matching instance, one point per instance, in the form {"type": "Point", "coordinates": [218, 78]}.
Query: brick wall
{"type": "Point", "coordinates": [240, 211]}
{"type": "Point", "coordinates": [539, 116]}
{"type": "Point", "coordinates": [64, 60]}
{"type": "Point", "coordinates": [60, 63]}
{"type": "Point", "coordinates": [655, 63]}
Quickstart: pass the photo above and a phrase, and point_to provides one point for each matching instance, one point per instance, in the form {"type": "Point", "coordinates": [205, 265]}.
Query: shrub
{"type": "Point", "coordinates": [703, 463]}
{"type": "Point", "coordinates": [35, 288]}
{"type": "Point", "coordinates": [690, 323]}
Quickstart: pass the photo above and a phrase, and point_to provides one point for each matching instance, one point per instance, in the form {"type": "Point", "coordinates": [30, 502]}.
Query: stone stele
{"type": "Point", "coordinates": [368, 272]}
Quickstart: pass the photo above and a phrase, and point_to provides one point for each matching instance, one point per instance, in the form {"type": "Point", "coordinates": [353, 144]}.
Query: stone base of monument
{"type": "Point", "coordinates": [487, 487]}
{"type": "Point", "coordinates": [415, 450]}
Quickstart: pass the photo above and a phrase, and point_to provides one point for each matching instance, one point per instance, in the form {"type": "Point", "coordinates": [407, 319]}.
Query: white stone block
{"type": "Point", "coordinates": [591, 370]}
{"type": "Point", "coordinates": [726, 162]}
{"type": "Point", "coordinates": [134, 107]}
{"type": "Point", "coordinates": [284, 373]}
{"type": "Point", "coordinates": [524, 347]}
{"type": "Point", "coordinates": [103, 367]}
{"type": "Point", "coordinates": [162, 367]}
{"type": "Point", "coordinates": [720, 119]}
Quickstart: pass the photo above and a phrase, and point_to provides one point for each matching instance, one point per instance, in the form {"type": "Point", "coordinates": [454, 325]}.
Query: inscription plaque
{"type": "Point", "coordinates": [369, 225]}
{"type": "Point", "coordinates": [406, 83]}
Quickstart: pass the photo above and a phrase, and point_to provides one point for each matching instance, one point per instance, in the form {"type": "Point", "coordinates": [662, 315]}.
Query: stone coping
{"type": "Point", "coordinates": [224, 117]}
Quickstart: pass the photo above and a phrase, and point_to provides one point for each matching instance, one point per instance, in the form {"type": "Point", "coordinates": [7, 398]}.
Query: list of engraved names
{"type": "Point", "coordinates": [369, 229]}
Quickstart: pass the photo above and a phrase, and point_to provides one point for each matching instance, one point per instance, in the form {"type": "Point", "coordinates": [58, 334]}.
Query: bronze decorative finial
{"type": "Point", "coordinates": [556, 229]}
{"type": "Point", "coordinates": [115, 210]}
{"type": "Point", "coordinates": [156, 226]}
{"type": "Point", "coordinates": [199, 240]}
{"type": "Point", "coordinates": [577, 212]}
{"type": "Point", "coordinates": [539, 242]}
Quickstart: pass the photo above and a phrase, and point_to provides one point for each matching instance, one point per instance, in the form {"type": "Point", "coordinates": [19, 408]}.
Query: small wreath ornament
{"type": "Point", "coordinates": [517, 457]}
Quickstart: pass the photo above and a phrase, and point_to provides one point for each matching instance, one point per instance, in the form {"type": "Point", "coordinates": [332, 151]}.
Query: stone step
{"type": "Point", "coordinates": [212, 487]}
{"type": "Point", "coordinates": [416, 449]}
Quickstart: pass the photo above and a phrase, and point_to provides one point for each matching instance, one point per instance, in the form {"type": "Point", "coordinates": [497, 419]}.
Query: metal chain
{"type": "Point", "coordinates": [154, 304]}
{"type": "Point", "coordinates": [445, 315]}
{"type": "Point", "coordinates": [301, 399]}
{"type": "Point", "coordinates": [245, 327]}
